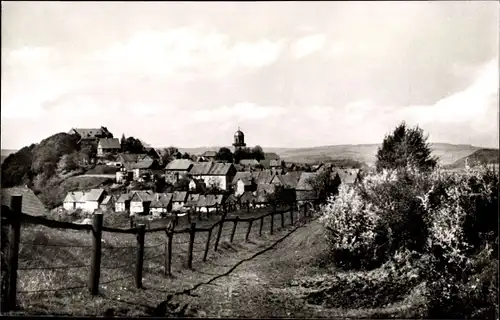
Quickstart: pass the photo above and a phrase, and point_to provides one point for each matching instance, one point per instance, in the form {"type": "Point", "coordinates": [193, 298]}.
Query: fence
{"type": "Point", "coordinates": [210, 236]}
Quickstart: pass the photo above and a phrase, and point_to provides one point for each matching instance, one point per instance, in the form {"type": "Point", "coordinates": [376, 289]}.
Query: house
{"type": "Point", "coordinates": [177, 169]}
{"type": "Point", "coordinates": [214, 174]}
{"type": "Point", "coordinates": [249, 162]}
{"type": "Point", "coordinates": [244, 184]}
{"type": "Point", "coordinates": [108, 203]}
{"type": "Point", "coordinates": [108, 145]}
{"type": "Point", "coordinates": [93, 199]}
{"type": "Point", "coordinates": [140, 202]}
{"type": "Point", "coordinates": [209, 203]}
{"type": "Point", "coordinates": [87, 201]}
{"type": "Point", "coordinates": [161, 204]}
{"type": "Point", "coordinates": [74, 200]}
{"type": "Point", "coordinates": [30, 203]}
{"type": "Point", "coordinates": [152, 153]}
{"type": "Point", "coordinates": [142, 168]}
{"type": "Point", "coordinates": [209, 155]}
{"type": "Point", "coordinates": [192, 200]}
{"type": "Point", "coordinates": [124, 158]}
{"type": "Point", "coordinates": [122, 204]}
{"type": "Point", "coordinates": [304, 190]}
{"type": "Point", "coordinates": [90, 136]}
{"type": "Point", "coordinates": [349, 176]}
{"type": "Point", "coordinates": [246, 199]}
{"type": "Point", "coordinates": [230, 202]}
{"type": "Point", "coordinates": [271, 156]}
{"type": "Point", "coordinates": [196, 185]}
{"type": "Point", "coordinates": [287, 181]}
{"type": "Point", "coordinates": [179, 199]}
{"type": "Point", "coordinates": [275, 163]}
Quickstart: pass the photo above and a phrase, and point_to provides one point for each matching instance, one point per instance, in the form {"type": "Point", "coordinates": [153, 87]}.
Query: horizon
{"type": "Point", "coordinates": [307, 75]}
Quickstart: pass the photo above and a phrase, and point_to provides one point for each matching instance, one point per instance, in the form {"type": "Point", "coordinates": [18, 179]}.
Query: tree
{"type": "Point", "coordinates": [405, 148]}
{"type": "Point", "coordinates": [133, 145]}
{"type": "Point", "coordinates": [258, 153]}
{"type": "Point", "coordinates": [123, 141]}
{"type": "Point", "coordinates": [169, 154]}
{"type": "Point", "coordinates": [68, 162]}
{"type": "Point", "coordinates": [186, 156]}
{"type": "Point", "coordinates": [224, 154]}
{"type": "Point", "coordinates": [324, 185]}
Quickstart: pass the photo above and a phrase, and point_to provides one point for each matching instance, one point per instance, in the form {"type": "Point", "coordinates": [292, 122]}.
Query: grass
{"type": "Point", "coordinates": [117, 289]}
{"type": "Point", "coordinates": [294, 279]}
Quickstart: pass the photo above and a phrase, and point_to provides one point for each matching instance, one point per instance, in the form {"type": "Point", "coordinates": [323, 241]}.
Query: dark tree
{"type": "Point", "coordinates": [169, 154]}
{"type": "Point", "coordinates": [133, 145]}
{"type": "Point", "coordinates": [123, 141]}
{"type": "Point", "coordinates": [224, 154]}
{"type": "Point", "coordinates": [405, 148]}
{"type": "Point", "coordinates": [324, 184]}
{"type": "Point", "coordinates": [186, 156]}
{"type": "Point", "coordinates": [258, 153]}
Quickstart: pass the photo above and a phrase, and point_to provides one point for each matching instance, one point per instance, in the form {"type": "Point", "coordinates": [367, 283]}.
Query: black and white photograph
{"type": "Point", "coordinates": [250, 159]}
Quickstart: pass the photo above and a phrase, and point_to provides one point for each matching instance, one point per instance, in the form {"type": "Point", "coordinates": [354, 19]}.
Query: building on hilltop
{"type": "Point", "coordinates": [91, 136]}
{"type": "Point", "coordinates": [107, 146]}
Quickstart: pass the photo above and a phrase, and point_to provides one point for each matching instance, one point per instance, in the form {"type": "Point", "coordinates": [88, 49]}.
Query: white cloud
{"type": "Point", "coordinates": [307, 45]}
{"type": "Point", "coordinates": [188, 47]}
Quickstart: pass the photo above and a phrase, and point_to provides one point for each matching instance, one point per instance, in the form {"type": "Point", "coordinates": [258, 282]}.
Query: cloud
{"type": "Point", "coordinates": [188, 48]}
{"type": "Point", "coordinates": [307, 45]}
{"type": "Point", "coordinates": [29, 54]}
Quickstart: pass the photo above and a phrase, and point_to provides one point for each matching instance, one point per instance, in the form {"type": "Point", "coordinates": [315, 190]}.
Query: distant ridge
{"type": "Point", "coordinates": [448, 153]}
{"type": "Point", "coordinates": [481, 156]}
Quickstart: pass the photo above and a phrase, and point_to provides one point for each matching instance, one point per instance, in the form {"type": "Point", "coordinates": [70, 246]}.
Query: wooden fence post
{"type": "Point", "coordinates": [291, 214]}
{"type": "Point", "coordinates": [261, 226]}
{"type": "Point", "coordinates": [219, 232]}
{"type": "Point", "coordinates": [15, 236]}
{"type": "Point", "coordinates": [192, 233]}
{"type": "Point", "coordinates": [95, 266]}
{"type": "Point", "coordinates": [272, 222]}
{"type": "Point", "coordinates": [207, 246]}
{"type": "Point", "coordinates": [234, 229]}
{"type": "Point", "coordinates": [282, 213]}
{"type": "Point", "coordinates": [141, 231]}
{"type": "Point", "coordinates": [168, 252]}
{"type": "Point", "coordinates": [305, 210]}
{"type": "Point", "coordinates": [249, 229]}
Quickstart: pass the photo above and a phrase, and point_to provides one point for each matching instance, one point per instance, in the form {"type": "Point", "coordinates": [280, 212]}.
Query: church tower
{"type": "Point", "coordinates": [239, 140]}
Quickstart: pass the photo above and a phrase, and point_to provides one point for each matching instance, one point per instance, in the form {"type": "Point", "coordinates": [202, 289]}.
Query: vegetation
{"type": "Point", "coordinates": [479, 157]}
{"type": "Point", "coordinates": [131, 145]}
{"type": "Point", "coordinates": [405, 148]}
{"type": "Point", "coordinates": [249, 153]}
{"type": "Point", "coordinates": [224, 154]}
{"type": "Point", "coordinates": [438, 227]}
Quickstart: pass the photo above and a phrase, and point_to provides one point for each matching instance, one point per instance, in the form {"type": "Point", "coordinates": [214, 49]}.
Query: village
{"type": "Point", "coordinates": [204, 184]}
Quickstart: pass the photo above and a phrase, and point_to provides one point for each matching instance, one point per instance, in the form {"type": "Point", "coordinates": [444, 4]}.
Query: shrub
{"type": "Point", "coordinates": [351, 226]}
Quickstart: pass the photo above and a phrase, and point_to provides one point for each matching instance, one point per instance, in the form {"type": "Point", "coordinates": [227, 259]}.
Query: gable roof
{"type": "Point", "coordinates": [209, 154]}
{"type": "Point", "coordinates": [179, 196]}
{"type": "Point", "coordinates": [179, 165]}
{"type": "Point", "coordinates": [221, 169]}
{"type": "Point", "coordinates": [141, 164]}
{"type": "Point", "coordinates": [303, 183]}
{"type": "Point", "coordinates": [131, 157]}
{"type": "Point", "coordinates": [249, 162]}
{"type": "Point", "coordinates": [247, 196]}
{"type": "Point", "coordinates": [192, 200]}
{"type": "Point", "coordinates": [109, 143]}
{"type": "Point", "coordinates": [30, 203]}
{"type": "Point", "coordinates": [75, 196]}
{"type": "Point", "coordinates": [94, 194]}
{"type": "Point", "coordinates": [265, 188]}
{"type": "Point", "coordinates": [201, 168]}
{"type": "Point", "coordinates": [123, 197]}
{"type": "Point", "coordinates": [89, 133]}
{"type": "Point", "coordinates": [161, 200]}
{"type": "Point", "coordinates": [243, 175]}
{"type": "Point", "coordinates": [142, 195]}
{"type": "Point", "coordinates": [262, 177]}
{"type": "Point", "coordinates": [348, 176]}
{"type": "Point", "coordinates": [108, 200]}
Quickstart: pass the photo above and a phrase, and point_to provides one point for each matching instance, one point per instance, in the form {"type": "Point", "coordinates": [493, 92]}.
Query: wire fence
{"type": "Point", "coordinates": [147, 255]}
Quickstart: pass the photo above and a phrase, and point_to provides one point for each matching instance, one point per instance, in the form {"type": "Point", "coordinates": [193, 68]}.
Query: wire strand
{"type": "Point", "coordinates": [54, 268]}
{"type": "Point", "coordinates": [53, 245]}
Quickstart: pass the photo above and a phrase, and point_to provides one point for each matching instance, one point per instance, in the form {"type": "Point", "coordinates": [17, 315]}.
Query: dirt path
{"type": "Point", "coordinates": [258, 286]}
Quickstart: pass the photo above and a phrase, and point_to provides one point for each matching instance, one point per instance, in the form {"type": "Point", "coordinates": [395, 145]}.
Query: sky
{"type": "Point", "coordinates": [290, 74]}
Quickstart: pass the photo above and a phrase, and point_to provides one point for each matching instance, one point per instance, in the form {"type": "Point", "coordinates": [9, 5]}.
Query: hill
{"type": "Point", "coordinates": [447, 153]}
{"type": "Point", "coordinates": [481, 156]}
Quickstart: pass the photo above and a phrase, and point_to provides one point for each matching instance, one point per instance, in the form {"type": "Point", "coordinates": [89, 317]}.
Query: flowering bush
{"type": "Point", "coordinates": [351, 226]}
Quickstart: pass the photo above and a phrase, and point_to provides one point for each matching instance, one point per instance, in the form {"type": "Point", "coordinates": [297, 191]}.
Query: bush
{"type": "Point", "coordinates": [351, 226]}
